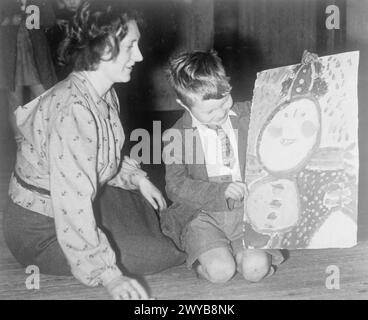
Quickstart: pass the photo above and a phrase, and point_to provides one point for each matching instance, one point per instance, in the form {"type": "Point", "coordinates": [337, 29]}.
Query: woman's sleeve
{"type": "Point", "coordinates": [73, 186]}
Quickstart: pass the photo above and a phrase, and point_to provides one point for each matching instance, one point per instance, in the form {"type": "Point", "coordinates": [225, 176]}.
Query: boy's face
{"type": "Point", "coordinates": [211, 111]}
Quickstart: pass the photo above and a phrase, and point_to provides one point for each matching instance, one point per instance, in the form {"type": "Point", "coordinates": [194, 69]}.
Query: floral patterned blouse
{"type": "Point", "coordinates": [70, 146]}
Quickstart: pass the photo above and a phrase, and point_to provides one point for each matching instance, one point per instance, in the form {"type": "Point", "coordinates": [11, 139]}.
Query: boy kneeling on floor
{"type": "Point", "coordinates": [206, 217]}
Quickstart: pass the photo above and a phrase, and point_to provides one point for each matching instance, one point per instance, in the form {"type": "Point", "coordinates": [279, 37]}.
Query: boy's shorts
{"type": "Point", "coordinates": [211, 230]}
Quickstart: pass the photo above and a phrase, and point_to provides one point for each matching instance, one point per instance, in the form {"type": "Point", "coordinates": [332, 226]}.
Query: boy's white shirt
{"type": "Point", "coordinates": [212, 149]}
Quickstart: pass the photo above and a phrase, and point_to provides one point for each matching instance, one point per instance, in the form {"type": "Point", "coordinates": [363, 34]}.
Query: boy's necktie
{"type": "Point", "coordinates": [227, 150]}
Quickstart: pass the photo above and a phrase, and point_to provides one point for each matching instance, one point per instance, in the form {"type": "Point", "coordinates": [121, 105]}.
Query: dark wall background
{"type": "Point", "coordinates": [249, 35]}
{"type": "Point", "coordinates": [253, 35]}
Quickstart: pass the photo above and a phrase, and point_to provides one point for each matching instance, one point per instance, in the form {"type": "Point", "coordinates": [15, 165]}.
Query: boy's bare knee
{"type": "Point", "coordinates": [255, 266]}
{"type": "Point", "coordinates": [220, 271]}
{"type": "Point", "coordinates": [255, 274]}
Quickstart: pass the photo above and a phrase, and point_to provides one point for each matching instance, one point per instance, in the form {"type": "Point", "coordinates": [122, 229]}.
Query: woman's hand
{"type": "Point", "coordinates": [138, 178]}
{"type": "Point", "coordinates": [124, 288]}
{"type": "Point", "coordinates": [152, 194]}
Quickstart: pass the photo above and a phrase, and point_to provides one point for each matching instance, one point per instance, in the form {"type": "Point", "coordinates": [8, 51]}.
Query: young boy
{"type": "Point", "coordinates": [206, 217]}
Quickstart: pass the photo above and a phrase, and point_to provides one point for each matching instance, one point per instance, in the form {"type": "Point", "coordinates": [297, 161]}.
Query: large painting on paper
{"type": "Point", "coordinates": [302, 156]}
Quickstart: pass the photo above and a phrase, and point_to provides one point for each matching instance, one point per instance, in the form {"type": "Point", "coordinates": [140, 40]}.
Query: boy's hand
{"type": "Point", "coordinates": [236, 191]}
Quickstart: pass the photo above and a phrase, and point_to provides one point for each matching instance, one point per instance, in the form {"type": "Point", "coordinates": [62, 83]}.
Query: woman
{"type": "Point", "coordinates": [70, 148]}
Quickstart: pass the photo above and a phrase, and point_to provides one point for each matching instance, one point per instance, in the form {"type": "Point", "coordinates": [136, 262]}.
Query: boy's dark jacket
{"type": "Point", "coordinates": [187, 185]}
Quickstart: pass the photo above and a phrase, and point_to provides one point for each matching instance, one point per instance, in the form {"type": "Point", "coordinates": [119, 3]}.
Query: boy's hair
{"type": "Point", "coordinates": [198, 73]}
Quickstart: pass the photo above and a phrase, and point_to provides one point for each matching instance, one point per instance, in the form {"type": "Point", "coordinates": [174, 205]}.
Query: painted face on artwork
{"type": "Point", "coordinates": [211, 111]}
{"type": "Point", "coordinates": [120, 68]}
{"type": "Point", "coordinates": [288, 139]}
{"type": "Point", "coordinates": [273, 206]}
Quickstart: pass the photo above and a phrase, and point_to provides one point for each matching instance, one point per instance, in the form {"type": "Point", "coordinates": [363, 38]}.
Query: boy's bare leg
{"type": "Point", "coordinates": [254, 264]}
{"type": "Point", "coordinates": [217, 265]}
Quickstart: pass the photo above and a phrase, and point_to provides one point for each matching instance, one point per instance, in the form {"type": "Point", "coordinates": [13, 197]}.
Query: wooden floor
{"type": "Point", "coordinates": [302, 276]}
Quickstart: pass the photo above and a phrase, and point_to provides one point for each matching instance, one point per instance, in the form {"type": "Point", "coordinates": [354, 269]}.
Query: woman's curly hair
{"type": "Point", "coordinates": [90, 32]}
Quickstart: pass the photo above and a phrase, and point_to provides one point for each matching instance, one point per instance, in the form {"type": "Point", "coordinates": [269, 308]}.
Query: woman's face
{"type": "Point", "coordinates": [290, 135]}
{"type": "Point", "coordinates": [120, 68]}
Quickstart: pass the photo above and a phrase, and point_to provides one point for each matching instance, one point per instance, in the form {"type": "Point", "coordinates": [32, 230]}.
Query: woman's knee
{"type": "Point", "coordinates": [148, 255]}
{"type": "Point", "coordinates": [255, 266]}
{"type": "Point", "coordinates": [219, 270]}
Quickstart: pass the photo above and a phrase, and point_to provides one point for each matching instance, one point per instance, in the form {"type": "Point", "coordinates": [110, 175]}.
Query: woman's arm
{"type": "Point", "coordinates": [73, 186]}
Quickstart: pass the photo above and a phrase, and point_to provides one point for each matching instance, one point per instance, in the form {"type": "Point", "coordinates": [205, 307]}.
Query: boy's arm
{"type": "Point", "coordinates": [181, 188]}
